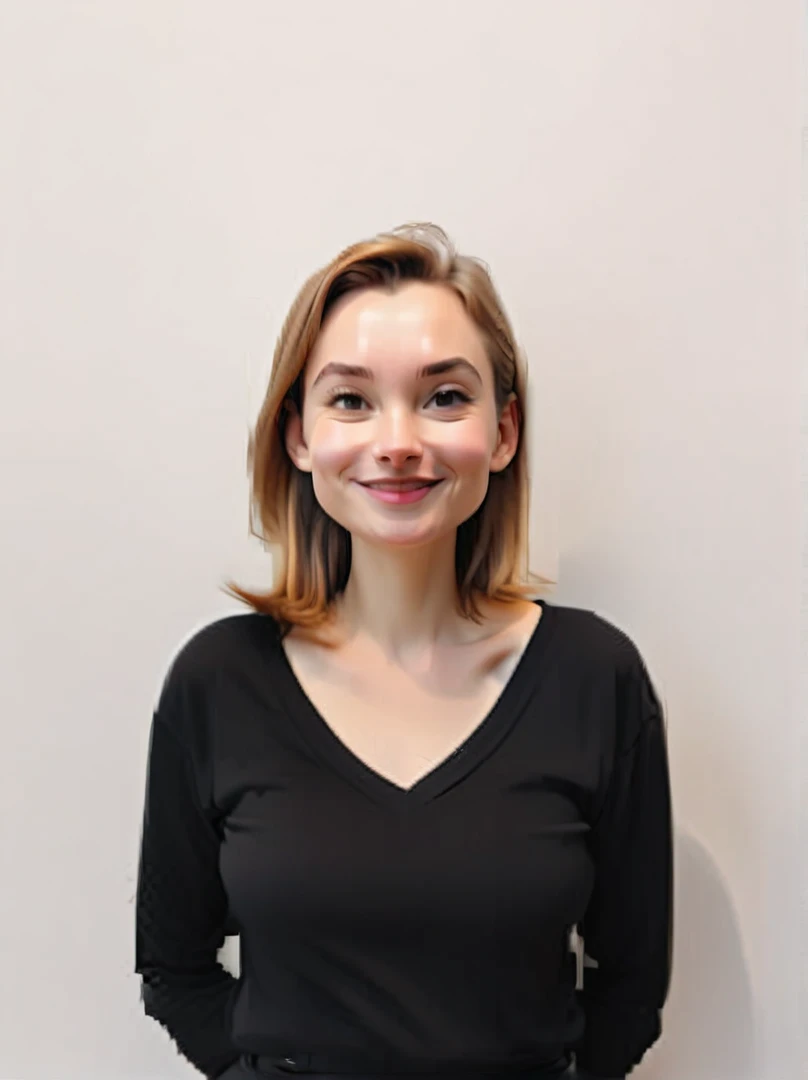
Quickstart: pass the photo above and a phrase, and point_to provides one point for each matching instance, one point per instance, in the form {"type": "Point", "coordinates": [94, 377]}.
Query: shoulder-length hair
{"type": "Point", "coordinates": [315, 551]}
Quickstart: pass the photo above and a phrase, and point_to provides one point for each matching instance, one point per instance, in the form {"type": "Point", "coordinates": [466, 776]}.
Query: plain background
{"type": "Point", "coordinates": [632, 173]}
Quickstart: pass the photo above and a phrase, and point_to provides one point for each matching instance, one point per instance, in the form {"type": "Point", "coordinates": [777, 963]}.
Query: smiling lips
{"type": "Point", "coordinates": [400, 491]}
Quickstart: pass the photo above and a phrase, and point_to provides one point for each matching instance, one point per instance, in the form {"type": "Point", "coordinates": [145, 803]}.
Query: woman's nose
{"type": "Point", "coordinates": [397, 437]}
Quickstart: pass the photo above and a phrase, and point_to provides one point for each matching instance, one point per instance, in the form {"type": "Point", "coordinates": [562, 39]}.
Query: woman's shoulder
{"type": "Point", "coordinates": [600, 648]}
{"type": "Point", "coordinates": [598, 651]}
{"type": "Point", "coordinates": [206, 673]}
{"type": "Point", "coordinates": [589, 636]}
{"type": "Point", "coordinates": [226, 645]}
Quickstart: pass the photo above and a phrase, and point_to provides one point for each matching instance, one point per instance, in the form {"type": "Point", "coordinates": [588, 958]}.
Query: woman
{"type": "Point", "coordinates": [399, 778]}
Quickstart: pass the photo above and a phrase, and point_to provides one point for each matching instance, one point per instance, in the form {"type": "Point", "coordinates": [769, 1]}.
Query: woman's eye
{"type": "Point", "coordinates": [444, 394]}
{"type": "Point", "coordinates": [353, 401]}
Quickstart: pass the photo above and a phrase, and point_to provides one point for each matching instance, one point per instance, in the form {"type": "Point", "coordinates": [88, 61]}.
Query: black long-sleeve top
{"type": "Point", "coordinates": [421, 926]}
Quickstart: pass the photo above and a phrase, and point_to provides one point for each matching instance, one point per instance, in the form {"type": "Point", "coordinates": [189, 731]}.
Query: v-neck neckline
{"type": "Point", "coordinates": [486, 736]}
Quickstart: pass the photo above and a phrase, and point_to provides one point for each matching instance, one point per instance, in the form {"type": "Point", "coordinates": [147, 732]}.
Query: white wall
{"type": "Point", "coordinates": [170, 172]}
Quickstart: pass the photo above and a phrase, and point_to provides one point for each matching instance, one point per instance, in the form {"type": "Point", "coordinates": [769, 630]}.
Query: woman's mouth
{"type": "Point", "coordinates": [400, 491]}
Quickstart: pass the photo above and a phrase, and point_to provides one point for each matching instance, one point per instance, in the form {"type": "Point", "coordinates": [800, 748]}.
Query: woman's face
{"type": "Point", "coordinates": [400, 428]}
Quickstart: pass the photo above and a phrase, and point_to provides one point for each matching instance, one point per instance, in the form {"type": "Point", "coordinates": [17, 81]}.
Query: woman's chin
{"type": "Point", "coordinates": [401, 538]}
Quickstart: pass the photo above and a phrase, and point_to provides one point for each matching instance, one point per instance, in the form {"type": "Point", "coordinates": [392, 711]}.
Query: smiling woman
{"type": "Point", "coordinates": [426, 417]}
{"type": "Point", "coordinates": [401, 780]}
{"type": "Point", "coordinates": [396, 363]}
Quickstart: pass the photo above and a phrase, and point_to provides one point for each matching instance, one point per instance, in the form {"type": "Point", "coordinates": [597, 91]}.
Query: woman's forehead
{"type": "Point", "coordinates": [417, 324]}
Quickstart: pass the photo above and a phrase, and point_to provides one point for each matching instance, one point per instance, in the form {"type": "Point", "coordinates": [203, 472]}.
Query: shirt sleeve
{"type": "Point", "coordinates": [627, 928]}
{"type": "Point", "coordinates": [181, 910]}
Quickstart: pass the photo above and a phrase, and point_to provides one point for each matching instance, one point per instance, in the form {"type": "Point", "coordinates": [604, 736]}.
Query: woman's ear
{"type": "Point", "coordinates": [296, 446]}
{"type": "Point", "coordinates": [507, 436]}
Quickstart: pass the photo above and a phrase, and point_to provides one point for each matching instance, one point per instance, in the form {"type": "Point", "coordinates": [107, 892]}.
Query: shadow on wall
{"type": "Point", "coordinates": [709, 1021]}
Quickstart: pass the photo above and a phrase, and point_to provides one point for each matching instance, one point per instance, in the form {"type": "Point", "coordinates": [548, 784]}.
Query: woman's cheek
{"type": "Point", "coordinates": [334, 450]}
{"type": "Point", "coordinates": [469, 453]}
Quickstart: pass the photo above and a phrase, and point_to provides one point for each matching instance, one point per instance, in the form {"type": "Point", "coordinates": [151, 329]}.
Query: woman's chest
{"type": "Point", "coordinates": [399, 730]}
{"type": "Point", "coordinates": [310, 851]}
{"type": "Point", "coordinates": [308, 825]}
{"type": "Point", "coordinates": [402, 724]}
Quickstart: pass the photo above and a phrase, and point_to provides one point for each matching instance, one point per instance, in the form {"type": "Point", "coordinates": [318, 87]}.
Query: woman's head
{"type": "Point", "coordinates": [398, 389]}
{"type": "Point", "coordinates": [396, 362]}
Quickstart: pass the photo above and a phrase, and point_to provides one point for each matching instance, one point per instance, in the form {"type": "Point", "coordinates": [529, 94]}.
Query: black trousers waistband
{"type": "Point", "coordinates": [326, 1066]}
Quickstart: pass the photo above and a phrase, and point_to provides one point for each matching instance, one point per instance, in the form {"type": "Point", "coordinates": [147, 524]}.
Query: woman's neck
{"type": "Point", "coordinates": [404, 600]}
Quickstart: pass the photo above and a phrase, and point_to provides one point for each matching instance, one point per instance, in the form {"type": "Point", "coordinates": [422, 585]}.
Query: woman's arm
{"type": "Point", "coordinates": [182, 908]}
{"type": "Point", "coordinates": [627, 929]}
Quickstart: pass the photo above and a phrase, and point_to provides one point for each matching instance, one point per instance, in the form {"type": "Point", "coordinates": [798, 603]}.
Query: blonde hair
{"type": "Point", "coordinates": [491, 547]}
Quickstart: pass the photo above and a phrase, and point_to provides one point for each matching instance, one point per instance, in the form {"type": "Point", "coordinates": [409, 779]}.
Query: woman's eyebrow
{"type": "Point", "coordinates": [439, 367]}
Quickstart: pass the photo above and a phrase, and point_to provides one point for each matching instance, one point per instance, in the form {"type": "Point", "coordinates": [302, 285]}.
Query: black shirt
{"type": "Point", "coordinates": [421, 926]}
